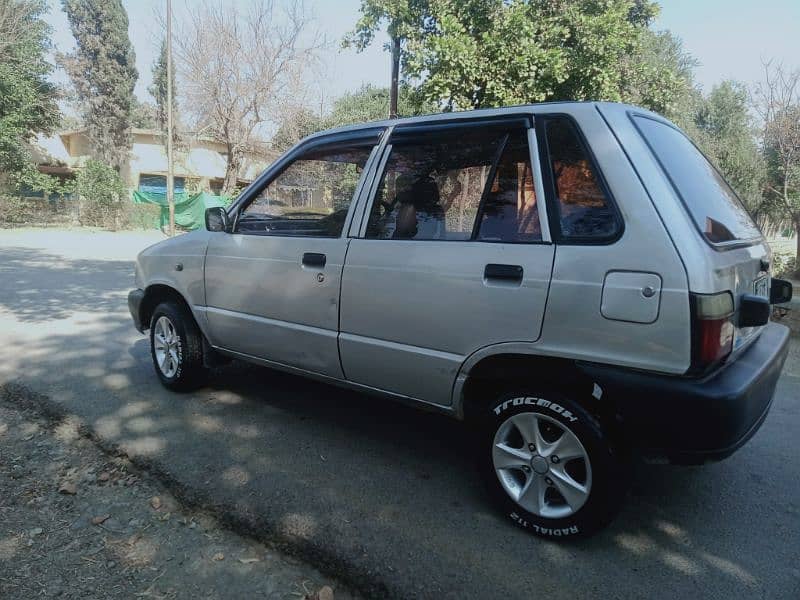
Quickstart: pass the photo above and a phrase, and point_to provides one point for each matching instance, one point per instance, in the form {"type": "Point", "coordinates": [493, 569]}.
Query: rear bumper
{"type": "Point", "coordinates": [135, 298]}
{"type": "Point", "coordinates": [690, 420]}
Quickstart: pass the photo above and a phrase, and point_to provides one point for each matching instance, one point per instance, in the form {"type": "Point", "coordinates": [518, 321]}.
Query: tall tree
{"type": "Point", "coordinates": [27, 99]}
{"type": "Point", "coordinates": [103, 72]}
{"type": "Point", "coordinates": [159, 87]}
{"type": "Point", "coordinates": [481, 53]}
{"type": "Point", "coordinates": [240, 71]}
{"type": "Point", "coordinates": [777, 100]}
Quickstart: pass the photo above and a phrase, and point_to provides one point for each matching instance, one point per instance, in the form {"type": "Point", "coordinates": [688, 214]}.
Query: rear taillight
{"type": "Point", "coordinates": [712, 329]}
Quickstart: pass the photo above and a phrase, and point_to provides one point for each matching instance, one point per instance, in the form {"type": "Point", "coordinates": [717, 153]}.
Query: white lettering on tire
{"type": "Point", "coordinates": [531, 401]}
{"type": "Point", "coordinates": [555, 532]}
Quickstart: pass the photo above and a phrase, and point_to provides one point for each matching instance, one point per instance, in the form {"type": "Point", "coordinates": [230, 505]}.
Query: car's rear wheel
{"type": "Point", "coordinates": [176, 346]}
{"type": "Point", "coordinates": [551, 465]}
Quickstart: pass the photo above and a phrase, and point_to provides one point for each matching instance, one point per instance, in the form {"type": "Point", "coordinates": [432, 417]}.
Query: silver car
{"type": "Point", "coordinates": [575, 280]}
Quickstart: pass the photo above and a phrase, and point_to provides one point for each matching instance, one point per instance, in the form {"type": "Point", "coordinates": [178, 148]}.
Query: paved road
{"type": "Point", "coordinates": [379, 493]}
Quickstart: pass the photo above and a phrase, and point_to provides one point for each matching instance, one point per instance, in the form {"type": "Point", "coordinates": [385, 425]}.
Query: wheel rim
{"type": "Point", "coordinates": [166, 347]}
{"type": "Point", "coordinates": [542, 465]}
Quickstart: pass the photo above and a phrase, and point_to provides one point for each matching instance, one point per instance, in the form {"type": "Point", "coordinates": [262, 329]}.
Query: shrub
{"type": "Point", "coordinates": [101, 193]}
{"type": "Point", "coordinates": [784, 265]}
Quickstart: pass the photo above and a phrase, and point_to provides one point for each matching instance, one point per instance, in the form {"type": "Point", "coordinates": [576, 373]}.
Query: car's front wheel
{"type": "Point", "coordinates": [176, 346]}
{"type": "Point", "coordinates": [551, 465]}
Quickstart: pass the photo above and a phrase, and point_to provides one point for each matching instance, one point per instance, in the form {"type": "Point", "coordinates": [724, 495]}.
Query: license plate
{"type": "Point", "coordinates": [761, 287]}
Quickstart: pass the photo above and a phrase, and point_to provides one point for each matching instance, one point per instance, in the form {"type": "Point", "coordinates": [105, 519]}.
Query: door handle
{"type": "Point", "coordinates": [503, 272]}
{"type": "Point", "coordinates": [314, 259]}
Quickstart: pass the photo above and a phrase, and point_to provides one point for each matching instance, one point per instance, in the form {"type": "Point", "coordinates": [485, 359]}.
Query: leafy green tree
{"type": "Point", "coordinates": [159, 87]}
{"type": "Point", "coordinates": [144, 115]}
{"type": "Point", "coordinates": [777, 101]}
{"type": "Point", "coordinates": [368, 103]}
{"type": "Point", "coordinates": [297, 125]}
{"type": "Point", "coordinates": [481, 53]}
{"type": "Point", "coordinates": [27, 98]}
{"type": "Point", "coordinates": [660, 76]}
{"type": "Point", "coordinates": [103, 72]}
{"type": "Point", "coordinates": [726, 133]}
{"type": "Point", "coordinates": [371, 103]}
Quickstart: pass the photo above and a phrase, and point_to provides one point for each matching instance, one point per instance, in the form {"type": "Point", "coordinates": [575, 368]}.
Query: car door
{"type": "Point", "coordinates": [272, 284]}
{"type": "Point", "coordinates": [453, 254]}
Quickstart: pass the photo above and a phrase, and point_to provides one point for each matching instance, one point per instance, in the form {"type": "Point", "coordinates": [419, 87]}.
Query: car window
{"type": "Point", "coordinates": [509, 211]}
{"type": "Point", "coordinates": [713, 205]}
{"type": "Point", "coordinates": [435, 184]}
{"type": "Point", "coordinates": [584, 210]}
{"type": "Point", "coordinates": [310, 197]}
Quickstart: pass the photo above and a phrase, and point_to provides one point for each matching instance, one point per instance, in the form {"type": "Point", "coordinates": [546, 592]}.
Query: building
{"type": "Point", "coordinates": [199, 162]}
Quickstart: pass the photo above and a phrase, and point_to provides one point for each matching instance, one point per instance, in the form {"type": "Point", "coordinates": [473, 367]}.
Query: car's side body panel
{"type": "Point", "coordinates": [177, 263]}
{"type": "Point", "coordinates": [262, 301]}
{"type": "Point", "coordinates": [574, 325]}
{"type": "Point", "coordinates": [412, 311]}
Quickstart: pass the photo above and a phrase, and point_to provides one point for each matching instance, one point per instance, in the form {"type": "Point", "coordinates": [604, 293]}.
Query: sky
{"type": "Point", "coordinates": [729, 38]}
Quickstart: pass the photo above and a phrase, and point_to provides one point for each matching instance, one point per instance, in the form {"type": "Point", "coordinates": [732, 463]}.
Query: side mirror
{"type": "Point", "coordinates": [217, 219]}
{"type": "Point", "coordinates": [753, 311]}
{"type": "Point", "coordinates": [780, 291]}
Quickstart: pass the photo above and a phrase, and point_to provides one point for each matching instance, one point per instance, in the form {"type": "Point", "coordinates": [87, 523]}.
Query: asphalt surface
{"type": "Point", "coordinates": [381, 495]}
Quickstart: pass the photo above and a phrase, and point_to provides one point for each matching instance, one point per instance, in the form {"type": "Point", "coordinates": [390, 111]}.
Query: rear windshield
{"type": "Point", "coordinates": [714, 206]}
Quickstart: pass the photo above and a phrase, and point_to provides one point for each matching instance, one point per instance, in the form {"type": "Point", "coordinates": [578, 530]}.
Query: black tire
{"type": "Point", "coordinates": [188, 345]}
{"type": "Point", "coordinates": [607, 470]}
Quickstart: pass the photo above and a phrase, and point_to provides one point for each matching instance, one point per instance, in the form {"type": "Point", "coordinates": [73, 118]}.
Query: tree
{"type": "Point", "coordinates": [727, 134]}
{"type": "Point", "coordinates": [482, 53]}
{"type": "Point", "coordinates": [371, 103]}
{"type": "Point", "coordinates": [159, 88]}
{"type": "Point", "coordinates": [296, 125]}
{"type": "Point", "coordinates": [777, 100]}
{"type": "Point", "coordinates": [242, 71]}
{"type": "Point", "coordinates": [660, 76]}
{"type": "Point", "coordinates": [27, 98]}
{"type": "Point", "coordinates": [368, 103]}
{"type": "Point", "coordinates": [144, 115]}
{"type": "Point", "coordinates": [103, 72]}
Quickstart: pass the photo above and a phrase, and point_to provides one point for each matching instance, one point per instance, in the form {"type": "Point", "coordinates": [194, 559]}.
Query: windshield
{"type": "Point", "coordinates": [713, 205]}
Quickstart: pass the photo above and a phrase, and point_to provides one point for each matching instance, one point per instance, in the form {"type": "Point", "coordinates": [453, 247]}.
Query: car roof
{"type": "Point", "coordinates": [521, 109]}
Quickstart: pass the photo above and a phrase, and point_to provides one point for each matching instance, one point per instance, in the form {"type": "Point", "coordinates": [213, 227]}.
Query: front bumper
{"type": "Point", "coordinates": [135, 299]}
{"type": "Point", "coordinates": [695, 420]}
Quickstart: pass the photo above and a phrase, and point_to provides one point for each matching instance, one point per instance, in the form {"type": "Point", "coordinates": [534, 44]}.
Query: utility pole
{"type": "Point", "coordinates": [170, 165]}
{"type": "Point", "coordinates": [393, 91]}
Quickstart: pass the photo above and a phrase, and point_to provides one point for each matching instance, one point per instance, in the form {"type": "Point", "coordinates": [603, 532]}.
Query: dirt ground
{"type": "Point", "coordinates": [78, 523]}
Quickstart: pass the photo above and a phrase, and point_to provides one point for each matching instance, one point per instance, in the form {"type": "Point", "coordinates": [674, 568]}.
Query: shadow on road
{"type": "Point", "coordinates": [38, 286]}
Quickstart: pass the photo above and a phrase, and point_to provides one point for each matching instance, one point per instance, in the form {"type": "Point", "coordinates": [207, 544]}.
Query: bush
{"type": "Point", "coordinates": [784, 265]}
{"type": "Point", "coordinates": [16, 211]}
{"type": "Point", "coordinates": [101, 193]}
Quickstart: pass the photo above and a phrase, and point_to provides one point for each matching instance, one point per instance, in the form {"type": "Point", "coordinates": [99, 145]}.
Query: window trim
{"type": "Point", "coordinates": [526, 123]}
{"type": "Point", "coordinates": [363, 138]}
{"type": "Point", "coordinates": [550, 186]}
{"type": "Point", "coordinates": [718, 246]}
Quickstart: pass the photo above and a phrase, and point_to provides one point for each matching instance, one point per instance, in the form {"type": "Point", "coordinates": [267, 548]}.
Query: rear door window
{"type": "Point", "coordinates": [465, 184]}
{"type": "Point", "coordinates": [713, 205]}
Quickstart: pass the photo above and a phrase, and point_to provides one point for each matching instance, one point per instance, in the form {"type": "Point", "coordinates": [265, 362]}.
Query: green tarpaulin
{"type": "Point", "coordinates": [190, 209]}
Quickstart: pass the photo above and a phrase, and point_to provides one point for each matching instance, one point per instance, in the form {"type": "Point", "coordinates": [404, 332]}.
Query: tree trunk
{"type": "Point", "coordinates": [231, 173]}
{"type": "Point", "coordinates": [797, 249]}
{"type": "Point", "coordinates": [394, 84]}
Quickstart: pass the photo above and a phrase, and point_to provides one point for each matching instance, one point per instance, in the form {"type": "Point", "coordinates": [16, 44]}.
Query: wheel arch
{"type": "Point", "coordinates": [479, 385]}
{"type": "Point", "coordinates": [156, 293]}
